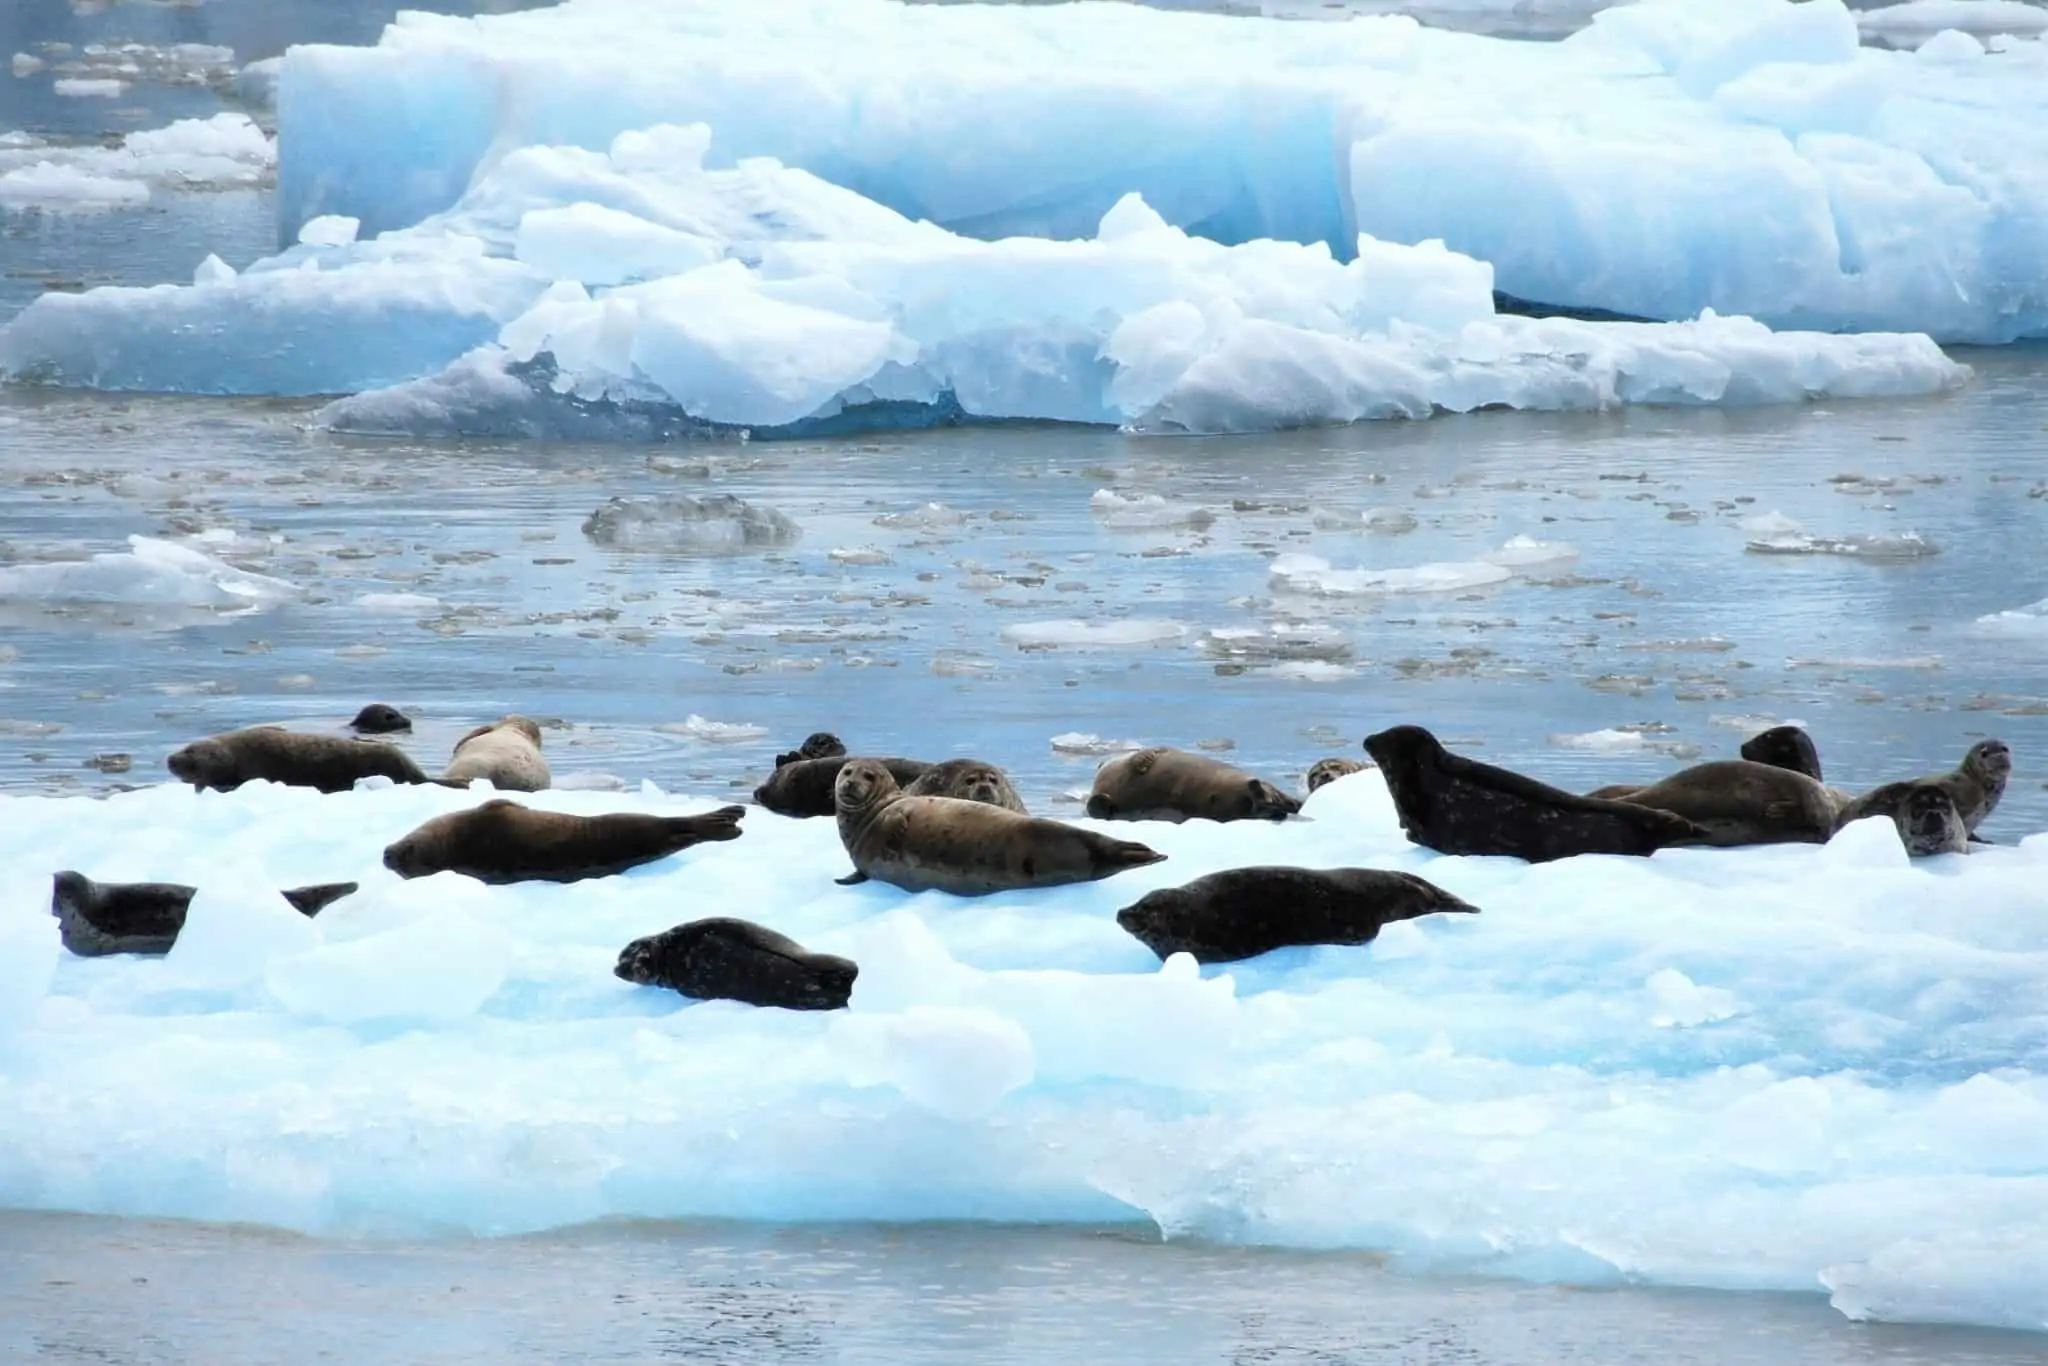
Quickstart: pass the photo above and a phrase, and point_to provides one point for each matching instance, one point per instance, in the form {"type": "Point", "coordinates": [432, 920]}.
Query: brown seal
{"type": "Point", "coordinates": [1456, 805]}
{"type": "Point", "coordinates": [507, 751]}
{"type": "Point", "coordinates": [1738, 802]}
{"type": "Point", "coordinates": [502, 841]}
{"type": "Point", "coordinates": [95, 919]}
{"type": "Point", "coordinates": [1244, 912]}
{"type": "Point", "coordinates": [966, 848]}
{"type": "Point", "coordinates": [803, 787]}
{"type": "Point", "coordinates": [819, 745]}
{"type": "Point", "coordinates": [330, 763]}
{"type": "Point", "coordinates": [722, 959]}
{"type": "Point", "coordinates": [1975, 787]}
{"type": "Point", "coordinates": [1786, 747]}
{"type": "Point", "coordinates": [1323, 772]}
{"type": "Point", "coordinates": [970, 780]}
{"type": "Point", "coordinates": [1163, 784]}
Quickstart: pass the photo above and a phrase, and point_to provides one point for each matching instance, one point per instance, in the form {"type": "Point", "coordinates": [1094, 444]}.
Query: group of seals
{"type": "Point", "coordinates": [95, 919]}
{"type": "Point", "coordinates": [1772, 795]}
{"type": "Point", "coordinates": [506, 751]}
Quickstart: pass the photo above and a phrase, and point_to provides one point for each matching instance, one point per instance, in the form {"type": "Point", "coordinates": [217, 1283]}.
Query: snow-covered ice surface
{"type": "Point", "coordinates": [1881, 190]}
{"type": "Point", "coordinates": [1781, 1069]}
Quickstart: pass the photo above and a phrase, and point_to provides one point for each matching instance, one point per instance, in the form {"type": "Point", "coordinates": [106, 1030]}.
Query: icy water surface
{"type": "Point", "coordinates": [1013, 592]}
{"type": "Point", "coordinates": [75, 1289]}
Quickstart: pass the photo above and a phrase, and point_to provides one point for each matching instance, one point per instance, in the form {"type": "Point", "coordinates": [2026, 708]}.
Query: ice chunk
{"type": "Point", "coordinates": [1295, 573]}
{"type": "Point", "coordinates": [677, 524]}
{"type": "Point", "coordinates": [223, 152]}
{"type": "Point", "coordinates": [1074, 634]}
{"type": "Point", "coordinates": [151, 573]}
{"type": "Point", "coordinates": [1147, 512]}
{"type": "Point", "coordinates": [331, 230]}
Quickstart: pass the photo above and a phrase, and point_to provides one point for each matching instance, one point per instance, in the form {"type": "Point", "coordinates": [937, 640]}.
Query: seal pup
{"type": "Point", "coordinates": [1244, 912]}
{"type": "Point", "coordinates": [722, 959]}
{"type": "Point", "coordinates": [1323, 772]}
{"type": "Point", "coordinates": [1786, 747]}
{"type": "Point", "coordinates": [803, 787]}
{"type": "Point", "coordinates": [970, 780]}
{"type": "Point", "coordinates": [502, 841]}
{"type": "Point", "coordinates": [507, 751]}
{"type": "Point", "coordinates": [378, 719]}
{"type": "Point", "coordinates": [95, 919]}
{"type": "Point", "coordinates": [819, 745]}
{"type": "Point", "coordinates": [1456, 805]}
{"type": "Point", "coordinates": [1975, 786]}
{"type": "Point", "coordinates": [1739, 802]}
{"type": "Point", "coordinates": [1162, 784]}
{"type": "Point", "coordinates": [966, 848]}
{"type": "Point", "coordinates": [330, 763]}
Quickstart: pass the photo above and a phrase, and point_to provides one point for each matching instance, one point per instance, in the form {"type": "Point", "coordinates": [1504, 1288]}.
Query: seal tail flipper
{"type": "Point", "coordinates": [1116, 855]}
{"type": "Point", "coordinates": [1976, 838]}
{"type": "Point", "coordinates": [310, 901]}
{"type": "Point", "coordinates": [852, 879]}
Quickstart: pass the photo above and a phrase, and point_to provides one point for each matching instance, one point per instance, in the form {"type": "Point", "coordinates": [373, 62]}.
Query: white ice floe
{"type": "Point", "coordinates": [1297, 573]}
{"type": "Point", "coordinates": [151, 573]}
{"type": "Point", "coordinates": [1813, 1070]}
{"type": "Point", "coordinates": [1878, 189]}
{"type": "Point", "coordinates": [1075, 634]}
{"type": "Point", "coordinates": [226, 151]}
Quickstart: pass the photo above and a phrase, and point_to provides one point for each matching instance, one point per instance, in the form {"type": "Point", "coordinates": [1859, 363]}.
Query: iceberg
{"type": "Point", "coordinates": [1879, 190]}
{"type": "Point", "coordinates": [763, 299]}
{"type": "Point", "coordinates": [1814, 1070]}
{"type": "Point", "coordinates": [227, 151]}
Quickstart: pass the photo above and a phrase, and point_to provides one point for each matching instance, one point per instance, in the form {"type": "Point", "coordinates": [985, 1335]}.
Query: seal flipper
{"type": "Point", "coordinates": [852, 879]}
{"type": "Point", "coordinates": [1117, 855]}
{"type": "Point", "coordinates": [1976, 838]}
{"type": "Point", "coordinates": [310, 901]}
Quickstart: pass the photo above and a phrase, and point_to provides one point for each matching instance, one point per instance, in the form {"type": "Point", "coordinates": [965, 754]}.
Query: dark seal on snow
{"type": "Point", "coordinates": [803, 787]}
{"type": "Point", "coordinates": [722, 959]}
{"type": "Point", "coordinates": [331, 763]}
{"type": "Point", "coordinates": [819, 745]}
{"type": "Point", "coordinates": [1456, 805]}
{"type": "Point", "coordinates": [1244, 912]}
{"type": "Point", "coordinates": [1786, 747]}
{"type": "Point", "coordinates": [502, 841]}
{"type": "Point", "coordinates": [966, 848]}
{"type": "Point", "coordinates": [1162, 784]}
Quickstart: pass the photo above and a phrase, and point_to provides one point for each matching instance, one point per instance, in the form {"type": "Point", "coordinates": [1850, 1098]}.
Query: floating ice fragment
{"type": "Point", "coordinates": [152, 573]}
{"type": "Point", "coordinates": [1294, 573]}
{"type": "Point", "coordinates": [397, 602]}
{"type": "Point", "coordinates": [1083, 743]}
{"type": "Point", "coordinates": [1147, 512]}
{"type": "Point", "coordinates": [713, 732]}
{"type": "Point", "coordinates": [331, 230]}
{"type": "Point", "coordinates": [1075, 634]}
{"type": "Point", "coordinates": [678, 524]}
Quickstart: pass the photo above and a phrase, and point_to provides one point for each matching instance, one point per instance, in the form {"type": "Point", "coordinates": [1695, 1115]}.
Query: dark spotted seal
{"type": "Point", "coordinates": [502, 841]}
{"type": "Point", "coordinates": [966, 848]}
{"type": "Point", "coordinates": [1975, 787]}
{"type": "Point", "coordinates": [722, 959]}
{"type": "Point", "coordinates": [95, 919]}
{"type": "Point", "coordinates": [820, 745]}
{"type": "Point", "coordinates": [507, 751]}
{"type": "Point", "coordinates": [378, 719]}
{"type": "Point", "coordinates": [1245, 912]}
{"type": "Point", "coordinates": [1323, 772]}
{"type": "Point", "coordinates": [969, 780]}
{"type": "Point", "coordinates": [1163, 784]}
{"type": "Point", "coordinates": [1456, 805]}
{"type": "Point", "coordinates": [803, 787]}
{"type": "Point", "coordinates": [330, 763]}
{"type": "Point", "coordinates": [1738, 802]}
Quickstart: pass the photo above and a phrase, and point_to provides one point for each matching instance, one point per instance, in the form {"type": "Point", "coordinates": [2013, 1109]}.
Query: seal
{"type": "Point", "coordinates": [1162, 784]}
{"type": "Point", "coordinates": [820, 745]}
{"type": "Point", "coordinates": [1456, 805]}
{"type": "Point", "coordinates": [507, 751]}
{"type": "Point", "coordinates": [722, 959]}
{"type": "Point", "coordinates": [1975, 786]}
{"type": "Point", "coordinates": [803, 787]}
{"type": "Point", "coordinates": [95, 919]}
{"type": "Point", "coordinates": [1928, 822]}
{"type": "Point", "coordinates": [969, 780]}
{"type": "Point", "coordinates": [1244, 912]}
{"type": "Point", "coordinates": [1739, 802]}
{"type": "Point", "coordinates": [966, 848]}
{"type": "Point", "coordinates": [502, 842]}
{"type": "Point", "coordinates": [1323, 772]}
{"type": "Point", "coordinates": [1786, 747]}
{"type": "Point", "coordinates": [378, 719]}
{"type": "Point", "coordinates": [330, 763]}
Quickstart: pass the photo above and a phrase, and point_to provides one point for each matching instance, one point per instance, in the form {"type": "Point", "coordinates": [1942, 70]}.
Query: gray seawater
{"type": "Point", "coordinates": [1665, 623]}
{"type": "Point", "coordinates": [120, 1292]}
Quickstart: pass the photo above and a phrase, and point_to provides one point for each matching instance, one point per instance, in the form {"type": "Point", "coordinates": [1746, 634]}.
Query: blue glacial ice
{"type": "Point", "coordinates": [638, 289]}
{"type": "Point", "coordinates": [1747, 156]}
{"type": "Point", "coordinates": [1820, 1070]}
